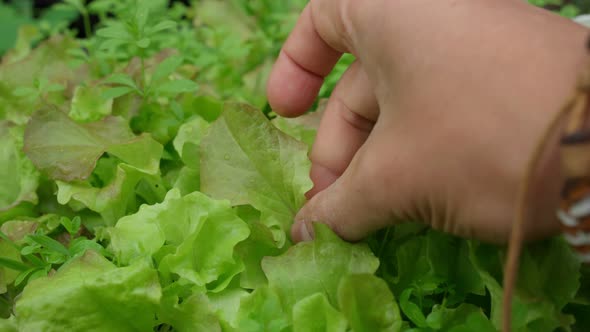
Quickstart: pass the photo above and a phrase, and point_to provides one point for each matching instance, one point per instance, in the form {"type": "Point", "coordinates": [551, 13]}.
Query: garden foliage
{"type": "Point", "coordinates": [146, 185]}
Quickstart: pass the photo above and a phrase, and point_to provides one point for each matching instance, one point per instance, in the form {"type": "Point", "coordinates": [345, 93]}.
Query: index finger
{"type": "Point", "coordinates": [299, 71]}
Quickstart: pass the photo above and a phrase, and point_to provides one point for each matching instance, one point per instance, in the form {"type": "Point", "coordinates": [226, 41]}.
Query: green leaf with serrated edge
{"type": "Point", "coordinates": [166, 67]}
{"type": "Point", "coordinates": [121, 79]}
{"type": "Point", "coordinates": [161, 26]}
{"type": "Point", "coordinates": [115, 31]}
{"type": "Point", "coordinates": [248, 161]}
{"type": "Point", "coordinates": [116, 92]}
{"type": "Point", "coordinates": [176, 87]}
{"type": "Point", "coordinates": [316, 266]}
{"type": "Point", "coordinates": [68, 151]}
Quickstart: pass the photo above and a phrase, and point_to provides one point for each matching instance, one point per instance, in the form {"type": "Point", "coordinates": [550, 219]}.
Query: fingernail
{"type": "Point", "coordinates": [304, 232]}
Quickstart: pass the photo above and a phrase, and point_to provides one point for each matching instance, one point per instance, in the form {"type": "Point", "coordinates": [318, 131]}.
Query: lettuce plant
{"type": "Point", "coordinates": [146, 186]}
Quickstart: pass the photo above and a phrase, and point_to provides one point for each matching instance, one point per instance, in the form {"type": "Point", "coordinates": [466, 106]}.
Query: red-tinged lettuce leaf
{"type": "Point", "coordinates": [315, 314]}
{"type": "Point", "coordinates": [91, 294]}
{"type": "Point", "coordinates": [68, 151]}
{"type": "Point", "coordinates": [303, 128]}
{"type": "Point", "coordinates": [246, 160]}
{"type": "Point", "coordinates": [316, 266]}
{"type": "Point", "coordinates": [368, 304]}
{"type": "Point", "coordinates": [18, 177]}
{"type": "Point", "coordinates": [47, 61]}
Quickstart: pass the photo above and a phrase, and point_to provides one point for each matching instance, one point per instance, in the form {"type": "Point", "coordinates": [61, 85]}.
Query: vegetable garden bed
{"type": "Point", "coordinates": [146, 186]}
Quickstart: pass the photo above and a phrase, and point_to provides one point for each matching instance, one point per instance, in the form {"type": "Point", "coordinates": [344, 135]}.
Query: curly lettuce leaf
{"type": "Point", "coordinates": [200, 234]}
{"type": "Point", "coordinates": [262, 311]}
{"type": "Point", "coordinates": [193, 314]}
{"type": "Point", "coordinates": [317, 266]}
{"type": "Point", "coordinates": [91, 294]}
{"type": "Point", "coordinates": [261, 243]}
{"type": "Point", "coordinates": [113, 201]}
{"type": "Point", "coordinates": [246, 160]}
{"type": "Point", "coordinates": [88, 104]}
{"type": "Point", "coordinates": [188, 140]}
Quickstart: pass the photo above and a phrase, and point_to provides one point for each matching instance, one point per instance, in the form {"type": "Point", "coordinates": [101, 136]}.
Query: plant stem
{"type": "Point", "coordinates": [87, 26]}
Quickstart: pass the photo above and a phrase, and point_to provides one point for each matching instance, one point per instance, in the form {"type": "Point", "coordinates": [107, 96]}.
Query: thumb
{"type": "Point", "coordinates": [353, 206]}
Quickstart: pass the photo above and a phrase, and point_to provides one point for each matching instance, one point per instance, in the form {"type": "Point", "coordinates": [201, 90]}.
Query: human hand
{"type": "Point", "coordinates": [436, 119]}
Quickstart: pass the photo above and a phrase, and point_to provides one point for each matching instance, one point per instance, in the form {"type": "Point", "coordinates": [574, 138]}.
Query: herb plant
{"type": "Point", "coordinates": [146, 186]}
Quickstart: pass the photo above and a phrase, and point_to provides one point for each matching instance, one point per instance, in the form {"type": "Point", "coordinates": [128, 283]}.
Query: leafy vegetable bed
{"type": "Point", "coordinates": [135, 197]}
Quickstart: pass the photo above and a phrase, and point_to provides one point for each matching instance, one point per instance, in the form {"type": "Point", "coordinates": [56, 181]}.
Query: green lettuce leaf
{"type": "Point", "coordinates": [368, 304]}
{"type": "Point", "coordinates": [112, 202]}
{"type": "Point", "coordinates": [88, 105]}
{"type": "Point", "coordinates": [464, 318]}
{"type": "Point", "coordinates": [8, 325]}
{"type": "Point", "coordinates": [9, 255]}
{"type": "Point", "coordinates": [193, 314]}
{"type": "Point", "coordinates": [226, 305]}
{"type": "Point", "coordinates": [68, 151]}
{"type": "Point", "coordinates": [539, 299]}
{"type": "Point", "coordinates": [245, 159]}
{"type": "Point", "coordinates": [315, 314]}
{"type": "Point", "coordinates": [200, 234]}
{"type": "Point", "coordinates": [260, 244]}
{"type": "Point", "coordinates": [188, 140]}
{"type": "Point", "coordinates": [91, 294]}
{"type": "Point", "coordinates": [262, 311]}
{"type": "Point", "coordinates": [317, 266]}
{"type": "Point", "coordinates": [18, 177]}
